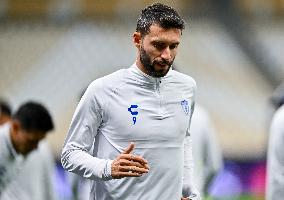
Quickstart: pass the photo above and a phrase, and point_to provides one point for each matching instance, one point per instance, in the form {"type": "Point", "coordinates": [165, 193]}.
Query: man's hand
{"type": "Point", "coordinates": [129, 165]}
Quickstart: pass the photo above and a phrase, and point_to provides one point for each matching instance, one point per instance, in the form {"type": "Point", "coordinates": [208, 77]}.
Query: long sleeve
{"type": "Point", "coordinates": [188, 185]}
{"type": "Point", "coordinates": [213, 155]}
{"type": "Point", "coordinates": [275, 160]}
{"type": "Point", "coordinates": [46, 180]}
{"type": "Point", "coordinates": [188, 176]}
{"type": "Point", "coordinates": [81, 136]}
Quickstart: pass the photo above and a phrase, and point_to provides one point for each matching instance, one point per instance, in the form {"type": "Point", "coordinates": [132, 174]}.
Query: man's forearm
{"type": "Point", "coordinates": [82, 163]}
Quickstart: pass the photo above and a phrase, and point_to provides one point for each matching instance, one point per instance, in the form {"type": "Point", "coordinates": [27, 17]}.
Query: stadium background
{"type": "Point", "coordinates": [50, 50]}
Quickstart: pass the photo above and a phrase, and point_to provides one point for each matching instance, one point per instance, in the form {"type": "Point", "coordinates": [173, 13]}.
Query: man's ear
{"type": "Point", "coordinates": [15, 126]}
{"type": "Point", "coordinates": [137, 39]}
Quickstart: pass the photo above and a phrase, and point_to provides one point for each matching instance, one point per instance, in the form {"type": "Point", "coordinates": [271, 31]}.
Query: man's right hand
{"type": "Point", "coordinates": [129, 165]}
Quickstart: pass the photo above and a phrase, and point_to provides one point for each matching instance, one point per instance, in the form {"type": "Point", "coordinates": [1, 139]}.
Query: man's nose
{"type": "Point", "coordinates": [166, 54]}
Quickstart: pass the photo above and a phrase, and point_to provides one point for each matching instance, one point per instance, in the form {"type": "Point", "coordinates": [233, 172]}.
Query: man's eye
{"type": "Point", "coordinates": [174, 46]}
{"type": "Point", "coordinates": [159, 46]}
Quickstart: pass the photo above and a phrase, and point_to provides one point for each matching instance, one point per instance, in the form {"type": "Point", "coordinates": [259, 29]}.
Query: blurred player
{"type": "Point", "coordinates": [26, 172]}
{"type": "Point", "coordinates": [275, 156]}
{"type": "Point", "coordinates": [208, 160]}
{"type": "Point", "coordinates": [5, 113]}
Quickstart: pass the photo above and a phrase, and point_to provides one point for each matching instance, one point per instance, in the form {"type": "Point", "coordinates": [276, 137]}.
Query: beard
{"type": "Point", "coordinates": [150, 65]}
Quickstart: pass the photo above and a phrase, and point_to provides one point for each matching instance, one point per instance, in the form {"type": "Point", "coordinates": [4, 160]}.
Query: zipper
{"type": "Point", "coordinates": [158, 92]}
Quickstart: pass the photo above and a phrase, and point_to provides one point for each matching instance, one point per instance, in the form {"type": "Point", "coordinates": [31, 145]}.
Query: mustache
{"type": "Point", "coordinates": [163, 62]}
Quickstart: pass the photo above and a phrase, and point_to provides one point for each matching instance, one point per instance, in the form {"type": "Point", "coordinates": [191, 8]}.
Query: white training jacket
{"type": "Point", "coordinates": [10, 161]}
{"type": "Point", "coordinates": [130, 106]}
{"type": "Point", "coordinates": [208, 159]}
{"type": "Point", "coordinates": [275, 158]}
{"type": "Point", "coordinates": [29, 178]}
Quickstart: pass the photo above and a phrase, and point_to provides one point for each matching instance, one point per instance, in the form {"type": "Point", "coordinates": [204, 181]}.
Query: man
{"type": "Point", "coordinates": [275, 156]}
{"type": "Point", "coordinates": [5, 112]}
{"type": "Point", "coordinates": [138, 120]}
{"type": "Point", "coordinates": [24, 173]}
{"type": "Point", "coordinates": [208, 159]}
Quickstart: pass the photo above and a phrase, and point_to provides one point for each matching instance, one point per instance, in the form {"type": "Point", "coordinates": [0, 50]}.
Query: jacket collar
{"type": "Point", "coordinates": [146, 79]}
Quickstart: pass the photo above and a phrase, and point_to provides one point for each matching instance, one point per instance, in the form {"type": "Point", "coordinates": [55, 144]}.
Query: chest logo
{"type": "Point", "coordinates": [133, 112]}
{"type": "Point", "coordinates": [185, 106]}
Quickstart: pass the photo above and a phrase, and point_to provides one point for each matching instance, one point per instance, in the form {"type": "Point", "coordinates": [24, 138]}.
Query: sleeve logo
{"type": "Point", "coordinates": [133, 112]}
{"type": "Point", "coordinates": [185, 106]}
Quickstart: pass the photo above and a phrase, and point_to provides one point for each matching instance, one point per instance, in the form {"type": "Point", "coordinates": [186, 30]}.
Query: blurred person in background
{"type": "Point", "coordinates": [5, 113]}
{"type": "Point", "coordinates": [136, 118]}
{"type": "Point", "coordinates": [80, 187]}
{"type": "Point", "coordinates": [26, 172]}
{"type": "Point", "coordinates": [208, 159]}
{"type": "Point", "coordinates": [275, 155]}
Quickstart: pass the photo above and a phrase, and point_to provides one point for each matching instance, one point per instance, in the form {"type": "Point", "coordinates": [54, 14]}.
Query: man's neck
{"type": "Point", "coordinates": [141, 67]}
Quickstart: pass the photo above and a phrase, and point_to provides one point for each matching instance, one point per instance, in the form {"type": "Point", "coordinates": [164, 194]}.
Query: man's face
{"type": "Point", "coordinates": [27, 141]}
{"type": "Point", "coordinates": [158, 50]}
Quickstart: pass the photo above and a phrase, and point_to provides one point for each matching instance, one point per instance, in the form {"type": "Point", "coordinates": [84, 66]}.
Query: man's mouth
{"type": "Point", "coordinates": [162, 64]}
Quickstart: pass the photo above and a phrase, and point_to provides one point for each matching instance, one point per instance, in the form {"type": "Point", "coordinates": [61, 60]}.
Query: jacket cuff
{"type": "Point", "coordinates": [107, 171]}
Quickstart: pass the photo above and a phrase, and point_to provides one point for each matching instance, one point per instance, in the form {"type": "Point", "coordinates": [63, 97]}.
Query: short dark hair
{"type": "Point", "coordinates": [159, 14]}
{"type": "Point", "coordinates": [34, 117]}
{"type": "Point", "coordinates": [5, 108]}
